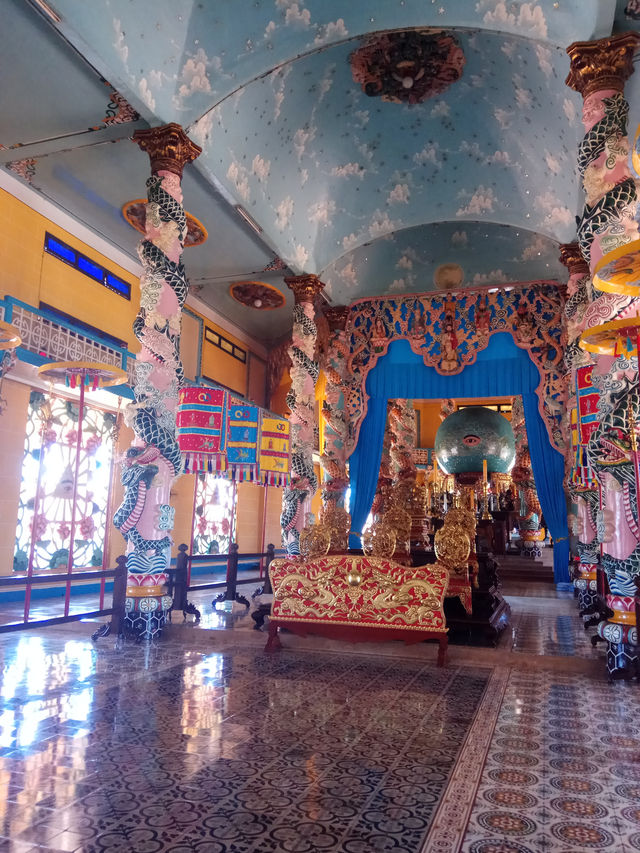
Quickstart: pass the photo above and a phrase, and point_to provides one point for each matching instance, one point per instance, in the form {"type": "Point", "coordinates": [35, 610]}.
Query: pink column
{"type": "Point", "coordinates": [145, 517]}
{"type": "Point", "coordinates": [301, 402]}
{"type": "Point", "coordinates": [598, 71]}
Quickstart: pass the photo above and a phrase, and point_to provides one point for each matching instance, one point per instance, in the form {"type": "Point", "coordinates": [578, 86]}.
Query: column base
{"type": "Point", "coordinates": [623, 661]}
{"type": "Point", "coordinates": [145, 618]}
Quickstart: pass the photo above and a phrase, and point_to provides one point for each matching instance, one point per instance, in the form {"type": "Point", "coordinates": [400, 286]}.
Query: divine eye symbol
{"type": "Point", "coordinates": [471, 440]}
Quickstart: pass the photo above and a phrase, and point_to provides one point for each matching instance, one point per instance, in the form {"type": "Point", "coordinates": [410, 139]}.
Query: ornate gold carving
{"type": "Point", "coordinates": [359, 590]}
{"type": "Point", "coordinates": [305, 287]}
{"type": "Point", "coordinates": [400, 520]}
{"type": "Point", "coordinates": [315, 541]}
{"type": "Point", "coordinates": [452, 547]}
{"type": "Point", "coordinates": [571, 258]}
{"type": "Point", "coordinates": [337, 316]}
{"type": "Point", "coordinates": [407, 67]}
{"type": "Point", "coordinates": [603, 64]}
{"type": "Point", "coordinates": [379, 540]}
{"type": "Point", "coordinates": [338, 522]}
{"type": "Point", "coordinates": [278, 361]}
{"type": "Point", "coordinates": [169, 148]}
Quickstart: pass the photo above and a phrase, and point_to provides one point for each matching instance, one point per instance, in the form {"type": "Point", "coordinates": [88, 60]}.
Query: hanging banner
{"type": "Point", "coordinates": [242, 441]}
{"type": "Point", "coordinates": [584, 419]}
{"type": "Point", "coordinates": [274, 451]}
{"type": "Point", "coordinates": [588, 398]}
{"type": "Point", "coordinates": [201, 428]}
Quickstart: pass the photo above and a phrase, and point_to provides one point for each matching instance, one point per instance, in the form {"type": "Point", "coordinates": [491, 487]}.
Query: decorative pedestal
{"type": "Point", "coordinates": [490, 613]}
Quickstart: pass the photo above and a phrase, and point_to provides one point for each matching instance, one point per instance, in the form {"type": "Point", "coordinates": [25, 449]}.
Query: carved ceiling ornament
{"type": "Point", "coordinates": [135, 213]}
{"type": "Point", "coordinates": [407, 67]}
{"type": "Point", "coordinates": [603, 64]}
{"type": "Point", "coordinates": [257, 294]}
{"type": "Point", "coordinates": [336, 317]}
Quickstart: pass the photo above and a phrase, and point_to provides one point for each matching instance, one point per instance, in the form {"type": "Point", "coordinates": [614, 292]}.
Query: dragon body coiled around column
{"type": "Point", "coordinates": [301, 402]}
{"type": "Point", "coordinates": [145, 517]}
{"type": "Point", "coordinates": [337, 431]}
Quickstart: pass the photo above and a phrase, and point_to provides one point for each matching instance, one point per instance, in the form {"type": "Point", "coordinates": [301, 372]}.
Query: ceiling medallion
{"type": "Point", "coordinates": [257, 294]}
{"type": "Point", "coordinates": [448, 276]}
{"type": "Point", "coordinates": [135, 212]}
{"type": "Point", "coordinates": [407, 67]}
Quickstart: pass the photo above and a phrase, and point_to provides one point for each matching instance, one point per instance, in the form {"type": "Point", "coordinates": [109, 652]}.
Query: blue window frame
{"type": "Point", "coordinates": [96, 272]}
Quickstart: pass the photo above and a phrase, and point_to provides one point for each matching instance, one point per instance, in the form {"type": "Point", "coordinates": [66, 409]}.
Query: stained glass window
{"type": "Point", "coordinates": [50, 467]}
{"type": "Point", "coordinates": [214, 519]}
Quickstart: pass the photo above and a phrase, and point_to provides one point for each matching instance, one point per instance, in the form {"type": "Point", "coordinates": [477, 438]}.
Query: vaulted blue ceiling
{"type": "Point", "coordinates": [373, 196]}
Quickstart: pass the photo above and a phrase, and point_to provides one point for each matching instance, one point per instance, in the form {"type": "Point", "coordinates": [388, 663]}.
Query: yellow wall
{"type": "Point", "coordinates": [219, 366]}
{"type": "Point", "coordinates": [250, 514]}
{"type": "Point", "coordinates": [31, 275]}
{"type": "Point", "coordinates": [430, 415]}
{"type": "Point", "coordinates": [182, 495]}
{"type": "Point", "coordinates": [189, 343]}
{"type": "Point", "coordinates": [429, 421]}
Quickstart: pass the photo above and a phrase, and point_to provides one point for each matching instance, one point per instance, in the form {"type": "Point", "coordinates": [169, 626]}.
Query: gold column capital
{"type": "Point", "coordinates": [168, 146]}
{"type": "Point", "coordinates": [337, 317]}
{"type": "Point", "coordinates": [603, 64]}
{"type": "Point", "coordinates": [305, 287]}
{"type": "Point", "coordinates": [571, 258]}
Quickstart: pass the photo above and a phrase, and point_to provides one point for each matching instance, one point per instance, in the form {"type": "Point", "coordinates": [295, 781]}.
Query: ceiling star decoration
{"type": "Point", "coordinates": [409, 67]}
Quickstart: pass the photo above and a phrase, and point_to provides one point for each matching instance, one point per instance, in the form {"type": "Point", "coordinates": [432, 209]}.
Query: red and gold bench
{"type": "Point", "coordinates": [358, 599]}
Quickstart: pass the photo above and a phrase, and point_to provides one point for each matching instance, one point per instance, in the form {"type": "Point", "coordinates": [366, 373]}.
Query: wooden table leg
{"type": "Point", "coordinates": [273, 640]}
{"type": "Point", "coordinates": [442, 650]}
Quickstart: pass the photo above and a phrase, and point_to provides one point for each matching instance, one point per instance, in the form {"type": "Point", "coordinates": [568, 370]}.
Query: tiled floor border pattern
{"type": "Point", "coordinates": [450, 821]}
{"type": "Point", "coordinates": [562, 773]}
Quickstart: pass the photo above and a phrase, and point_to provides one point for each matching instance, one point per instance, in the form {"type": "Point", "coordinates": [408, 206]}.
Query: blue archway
{"type": "Point", "coordinates": [502, 369]}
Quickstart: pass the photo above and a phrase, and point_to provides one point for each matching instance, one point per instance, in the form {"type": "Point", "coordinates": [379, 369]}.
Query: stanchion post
{"type": "Point", "coordinates": [231, 593]}
{"type": "Point", "coordinates": [271, 552]}
{"type": "Point", "coordinates": [181, 581]}
{"type": "Point", "coordinates": [119, 595]}
{"type": "Point", "coordinates": [232, 571]}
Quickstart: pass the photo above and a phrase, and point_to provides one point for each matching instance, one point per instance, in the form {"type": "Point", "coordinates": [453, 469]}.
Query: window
{"type": "Point", "coordinates": [214, 520]}
{"type": "Point", "coordinates": [225, 345]}
{"type": "Point", "coordinates": [503, 408]}
{"type": "Point", "coordinates": [50, 468]}
{"type": "Point", "coordinates": [85, 265]}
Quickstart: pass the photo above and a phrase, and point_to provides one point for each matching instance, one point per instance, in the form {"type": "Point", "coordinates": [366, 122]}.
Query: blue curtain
{"type": "Point", "coordinates": [364, 465]}
{"type": "Point", "coordinates": [548, 472]}
{"type": "Point", "coordinates": [502, 369]}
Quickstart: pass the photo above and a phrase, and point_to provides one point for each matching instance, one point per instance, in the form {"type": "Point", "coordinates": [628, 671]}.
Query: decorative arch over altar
{"type": "Point", "coordinates": [497, 363]}
{"type": "Point", "coordinates": [448, 329]}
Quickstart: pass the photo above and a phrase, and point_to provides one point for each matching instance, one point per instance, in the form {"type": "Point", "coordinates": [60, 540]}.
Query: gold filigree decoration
{"type": "Point", "coordinates": [400, 520]}
{"type": "Point", "coordinates": [359, 591]}
{"type": "Point", "coordinates": [169, 148]}
{"type": "Point", "coordinates": [379, 540]}
{"type": "Point", "coordinates": [452, 547]}
{"type": "Point", "coordinates": [603, 64]}
{"type": "Point", "coordinates": [338, 522]}
{"type": "Point", "coordinates": [459, 517]}
{"type": "Point", "coordinates": [315, 541]}
{"type": "Point", "coordinates": [305, 287]}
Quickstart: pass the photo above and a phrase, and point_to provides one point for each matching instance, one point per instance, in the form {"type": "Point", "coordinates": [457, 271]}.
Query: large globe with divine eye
{"type": "Point", "coordinates": [472, 434]}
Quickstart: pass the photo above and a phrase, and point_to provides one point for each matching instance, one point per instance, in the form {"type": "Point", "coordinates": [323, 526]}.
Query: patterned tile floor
{"type": "Point", "coordinates": [183, 746]}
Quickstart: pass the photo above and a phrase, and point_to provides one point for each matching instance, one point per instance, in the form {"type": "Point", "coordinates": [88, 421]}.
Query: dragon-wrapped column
{"type": "Point", "coordinates": [301, 402]}
{"type": "Point", "coordinates": [337, 432]}
{"type": "Point", "coordinates": [145, 517]}
{"type": "Point", "coordinates": [599, 71]}
{"type": "Point", "coordinates": [580, 480]}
